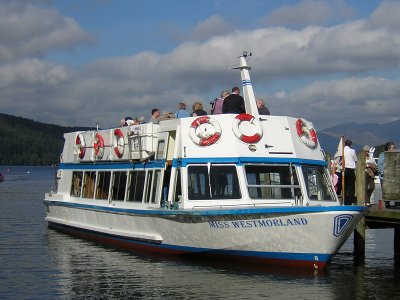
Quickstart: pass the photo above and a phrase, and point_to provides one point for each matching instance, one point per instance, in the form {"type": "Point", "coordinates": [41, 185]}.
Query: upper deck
{"type": "Point", "coordinates": [215, 138]}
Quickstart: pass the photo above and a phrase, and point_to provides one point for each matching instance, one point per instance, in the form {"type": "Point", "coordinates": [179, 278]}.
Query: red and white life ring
{"type": "Point", "coordinates": [306, 133]}
{"type": "Point", "coordinates": [119, 143]}
{"type": "Point", "coordinates": [98, 146]}
{"type": "Point", "coordinates": [80, 145]}
{"type": "Point", "coordinates": [249, 139]}
{"type": "Point", "coordinates": [205, 131]}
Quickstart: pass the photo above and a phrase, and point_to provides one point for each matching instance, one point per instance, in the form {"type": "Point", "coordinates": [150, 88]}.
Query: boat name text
{"type": "Point", "coordinates": [258, 223]}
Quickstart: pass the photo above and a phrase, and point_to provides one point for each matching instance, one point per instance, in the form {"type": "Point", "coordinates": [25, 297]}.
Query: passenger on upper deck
{"type": "Point", "coordinates": [126, 121]}
{"type": "Point", "coordinates": [155, 115]}
{"type": "Point", "coordinates": [262, 109]}
{"type": "Point", "coordinates": [234, 103]}
{"type": "Point", "coordinates": [216, 105]}
{"type": "Point", "coordinates": [198, 109]}
{"type": "Point", "coordinates": [182, 112]}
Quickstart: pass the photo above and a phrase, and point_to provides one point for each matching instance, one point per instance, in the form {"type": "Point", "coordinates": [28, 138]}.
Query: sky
{"type": "Point", "coordinates": [78, 63]}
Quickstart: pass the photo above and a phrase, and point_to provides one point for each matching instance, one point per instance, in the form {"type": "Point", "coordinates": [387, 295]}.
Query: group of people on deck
{"type": "Point", "coordinates": [227, 103]}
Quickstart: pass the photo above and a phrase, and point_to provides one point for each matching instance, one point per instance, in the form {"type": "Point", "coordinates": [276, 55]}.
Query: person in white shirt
{"type": "Point", "coordinates": [350, 159]}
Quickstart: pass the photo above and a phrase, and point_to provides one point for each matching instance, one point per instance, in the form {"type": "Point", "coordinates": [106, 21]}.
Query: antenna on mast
{"type": "Point", "coordinates": [245, 54]}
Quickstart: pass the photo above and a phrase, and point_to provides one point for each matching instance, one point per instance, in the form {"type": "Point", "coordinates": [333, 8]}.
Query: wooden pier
{"type": "Point", "coordinates": [386, 213]}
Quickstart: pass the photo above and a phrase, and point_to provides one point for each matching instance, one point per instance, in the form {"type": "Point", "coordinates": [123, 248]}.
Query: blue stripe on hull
{"type": "Point", "coordinates": [213, 212]}
{"type": "Point", "coordinates": [307, 260]}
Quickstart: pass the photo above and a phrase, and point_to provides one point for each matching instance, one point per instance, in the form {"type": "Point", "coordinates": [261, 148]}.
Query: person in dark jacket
{"type": "Point", "coordinates": [234, 103]}
{"type": "Point", "coordinates": [198, 109]}
{"type": "Point", "coordinates": [262, 109]}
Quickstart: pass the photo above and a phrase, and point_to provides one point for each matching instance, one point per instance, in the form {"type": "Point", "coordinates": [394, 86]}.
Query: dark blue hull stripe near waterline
{"type": "Point", "coordinates": [187, 161]}
{"type": "Point", "coordinates": [212, 212]}
{"type": "Point", "coordinates": [111, 239]}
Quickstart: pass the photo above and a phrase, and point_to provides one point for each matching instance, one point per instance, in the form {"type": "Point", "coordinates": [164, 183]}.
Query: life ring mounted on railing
{"type": "Point", "coordinates": [306, 133]}
{"type": "Point", "coordinates": [205, 131]}
{"type": "Point", "coordinates": [249, 139]}
{"type": "Point", "coordinates": [118, 143]}
{"type": "Point", "coordinates": [80, 145]}
{"type": "Point", "coordinates": [98, 146]}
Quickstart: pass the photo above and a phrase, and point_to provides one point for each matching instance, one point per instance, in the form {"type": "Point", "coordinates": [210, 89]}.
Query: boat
{"type": "Point", "coordinates": [248, 187]}
{"type": "Point", "coordinates": [1, 177]}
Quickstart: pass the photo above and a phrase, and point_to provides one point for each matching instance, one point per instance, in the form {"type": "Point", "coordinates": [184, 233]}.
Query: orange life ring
{"type": "Point", "coordinates": [80, 144]}
{"type": "Point", "coordinates": [249, 139]}
{"type": "Point", "coordinates": [202, 134]}
{"type": "Point", "coordinates": [119, 143]}
{"type": "Point", "coordinates": [306, 133]}
{"type": "Point", "coordinates": [98, 145]}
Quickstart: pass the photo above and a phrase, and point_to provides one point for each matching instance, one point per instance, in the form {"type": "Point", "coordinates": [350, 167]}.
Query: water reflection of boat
{"type": "Point", "coordinates": [245, 186]}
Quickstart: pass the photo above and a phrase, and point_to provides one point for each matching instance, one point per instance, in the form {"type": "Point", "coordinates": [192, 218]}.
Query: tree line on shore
{"type": "Point", "coordinates": [27, 142]}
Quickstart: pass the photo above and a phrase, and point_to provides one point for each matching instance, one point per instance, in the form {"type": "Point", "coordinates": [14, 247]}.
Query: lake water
{"type": "Point", "coordinates": [40, 263]}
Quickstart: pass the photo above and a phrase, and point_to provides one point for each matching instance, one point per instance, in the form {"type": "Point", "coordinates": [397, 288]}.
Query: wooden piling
{"type": "Point", "coordinates": [359, 232]}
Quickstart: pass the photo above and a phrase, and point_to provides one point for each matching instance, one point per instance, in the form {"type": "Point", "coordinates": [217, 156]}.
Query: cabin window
{"type": "Point", "coordinates": [178, 186]}
{"type": "Point", "coordinates": [206, 182]}
{"type": "Point", "coordinates": [148, 185]}
{"type": "Point", "coordinates": [118, 186]}
{"type": "Point", "coordinates": [155, 195]}
{"type": "Point", "coordinates": [272, 182]}
{"type": "Point", "coordinates": [89, 179]}
{"type": "Point", "coordinates": [160, 150]}
{"type": "Point", "coordinates": [136, 186]}
{"type": "Point", "coordinates": [76, 184]}
{"type": "Point", "coordinates": [318, 183]}
{"type": "Point", "coordinates": [103, 184]}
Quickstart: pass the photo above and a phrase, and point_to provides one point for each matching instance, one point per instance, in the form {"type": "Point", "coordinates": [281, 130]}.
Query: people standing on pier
{"type": "Point", "coordinates": [182, 112]}
{"type": "Point", "coordinates": [262, 109]}
{"type": "Point", "coordinates": [389, 146]}
{"type": "Point", "coordinates": [234, 103]}
{"type": "Point", "coordinates": [216, 105]}
{"type": "Point", "coordinates": [350, 159]}
{"type": "Point", "coordinates": [370, 170]}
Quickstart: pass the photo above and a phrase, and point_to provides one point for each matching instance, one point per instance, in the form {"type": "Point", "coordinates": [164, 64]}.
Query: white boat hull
{"type": "Point", "coordinates": [295, 236]}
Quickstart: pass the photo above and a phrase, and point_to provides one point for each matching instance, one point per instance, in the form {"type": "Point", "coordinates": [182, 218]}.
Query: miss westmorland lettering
{"type": "Point", "coordinates": [258, 223]}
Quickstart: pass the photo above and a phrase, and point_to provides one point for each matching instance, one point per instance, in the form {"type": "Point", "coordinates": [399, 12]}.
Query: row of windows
{"type": "Point", "coordinates": [117, 185]}
{"type": "Point", "coordinates": [205, 182]}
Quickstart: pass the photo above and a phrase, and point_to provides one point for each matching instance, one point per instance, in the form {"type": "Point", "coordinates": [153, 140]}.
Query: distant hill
{"type": "Point", "coordinates": [27, 142]}
{"type": "Point", "coordinates": [371, 134]}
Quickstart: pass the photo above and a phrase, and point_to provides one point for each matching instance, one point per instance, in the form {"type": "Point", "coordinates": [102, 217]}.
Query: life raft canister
{"type": "Point", "coordinates": [80, 144]}
{"type": "Point", "coordinates": [119, 143]}
{"type": "Point", "coordinates": [205, 131]}
{"type": "Point", "coordinates": [306, 133]}
{"type": "Point", "coordinates": [249, 139]}
{"type": "Point", "coordinates": [98, 146]}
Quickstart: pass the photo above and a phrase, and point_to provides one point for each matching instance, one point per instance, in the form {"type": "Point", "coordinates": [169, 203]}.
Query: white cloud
{"type": "Point", "coordinates": [26, 30]}
{"type": "Point", "coordinates": [368, 99]}
{"type": "Point", "coordinates": [309, 12]}
{"type": "Point", "coordinates": [214, 25]}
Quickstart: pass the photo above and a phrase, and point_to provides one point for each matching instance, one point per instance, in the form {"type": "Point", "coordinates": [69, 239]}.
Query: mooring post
{"type": "Point", "coordinates": [397, 241]}
{"type": "Point", "coordinates": [359, 232]}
